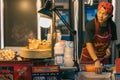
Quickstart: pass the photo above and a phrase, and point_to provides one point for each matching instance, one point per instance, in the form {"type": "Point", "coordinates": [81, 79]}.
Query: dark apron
{"type": "Point", "coordinates": [100, 45]}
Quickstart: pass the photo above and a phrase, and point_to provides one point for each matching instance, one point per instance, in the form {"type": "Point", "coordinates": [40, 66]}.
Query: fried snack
{"type": "Point", "coordinates": [37, 49]}
{"type": "Point", "coordinates": [45, 45]}
{"type": "Point", "coordinates": [6, 55]}
{"type": "Point", "coordinates": [33, 43]}
{"type": "Point", "coordinates": [39, 44]}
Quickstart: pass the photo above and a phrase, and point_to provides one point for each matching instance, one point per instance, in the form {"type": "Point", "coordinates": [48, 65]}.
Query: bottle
{"type": "Point", "coordinates": [58, 35]}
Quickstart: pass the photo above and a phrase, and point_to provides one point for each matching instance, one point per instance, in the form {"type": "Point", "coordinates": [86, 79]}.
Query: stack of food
{"type": "Point", "coordinates": [36, 49]}
{"type": "Point", "coordinates": [39, 44]}
{"type": "Point", "coordinates": [7, 55]}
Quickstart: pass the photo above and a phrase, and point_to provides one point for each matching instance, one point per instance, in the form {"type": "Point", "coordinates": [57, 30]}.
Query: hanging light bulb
{"type": "Point", "coordinates": [45, 22]}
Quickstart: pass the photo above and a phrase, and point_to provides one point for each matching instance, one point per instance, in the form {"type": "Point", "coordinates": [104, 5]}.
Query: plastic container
{"type": "Point", "coordinates": [68, 52]}
{"type": "Point", "coordinates": [117, 64]}
{"type": "Point", "coordinates": [69, 44]}
{"type": "Point", "coordinates": [68, 57]}
{"type": "Point", "coordinates": [68, 62]}
{"type": "Point", "coordinates": [59, 54]}
{"type": "Point", "coordinates": [90, 68]}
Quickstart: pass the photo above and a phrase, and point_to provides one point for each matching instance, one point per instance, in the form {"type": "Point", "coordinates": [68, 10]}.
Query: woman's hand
{"type": "Point", "coordinates": [107, 53]}
{"type": "Point", "coordinates": [98, 67]}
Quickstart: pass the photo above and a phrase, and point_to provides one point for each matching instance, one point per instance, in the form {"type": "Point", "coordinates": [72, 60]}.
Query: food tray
{"type": "Point", "coordinates": [35, 53]}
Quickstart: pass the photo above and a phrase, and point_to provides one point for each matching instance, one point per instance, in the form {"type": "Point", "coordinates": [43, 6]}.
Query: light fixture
{"type": "Point", "coordinates": [48, 9]}
{"type": "Point", "coordinates": [45, 22]}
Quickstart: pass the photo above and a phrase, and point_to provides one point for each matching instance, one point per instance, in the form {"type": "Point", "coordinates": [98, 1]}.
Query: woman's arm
{"type": "Point", "coordinates": [98, 66]}
{"type": "Point", "coordinates": [91, 51]}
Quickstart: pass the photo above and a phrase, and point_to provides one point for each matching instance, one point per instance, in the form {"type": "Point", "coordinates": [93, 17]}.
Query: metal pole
{"type": "Point", "coordinates": [53, 28]}
{"type": "Point", "coordinates": [80, 28]}
{"type": "Point", "coordinates": [2, 24]}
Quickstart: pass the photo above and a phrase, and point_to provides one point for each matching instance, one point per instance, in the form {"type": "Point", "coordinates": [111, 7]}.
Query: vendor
{"type": "Point", "coordinates": [99, 35]}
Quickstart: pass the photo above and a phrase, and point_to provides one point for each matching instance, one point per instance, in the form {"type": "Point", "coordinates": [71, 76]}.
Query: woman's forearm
{"type": "Point", "coordinates": [91, 51]}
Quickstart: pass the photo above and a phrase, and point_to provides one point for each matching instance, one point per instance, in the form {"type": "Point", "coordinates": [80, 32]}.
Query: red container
{"type": "Point", "coordinates": [117, 64]}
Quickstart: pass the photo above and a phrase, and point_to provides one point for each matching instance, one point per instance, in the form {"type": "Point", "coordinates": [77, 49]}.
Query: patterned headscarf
{"type": "Point", "coordinates": [107, 6]}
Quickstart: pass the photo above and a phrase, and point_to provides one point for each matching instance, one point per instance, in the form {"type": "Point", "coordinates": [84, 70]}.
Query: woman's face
{"type": "Point", "coordinates": [102, 15]}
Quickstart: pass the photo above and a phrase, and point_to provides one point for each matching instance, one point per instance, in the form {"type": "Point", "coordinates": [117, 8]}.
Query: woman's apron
{"type": "Point", "coordinates": [100, 45]}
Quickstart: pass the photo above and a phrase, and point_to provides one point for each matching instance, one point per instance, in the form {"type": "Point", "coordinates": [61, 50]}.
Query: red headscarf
{"type": "Point", "coordinates": [107, 6]}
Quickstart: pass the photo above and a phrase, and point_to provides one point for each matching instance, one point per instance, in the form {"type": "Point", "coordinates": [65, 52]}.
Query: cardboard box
{"type": "Point", "coordinates": [45, 73]}
{"type": "Point", "coordinates": [6, 73]}
{"type": "Point", "coordinates": [22, 72]}
{"type": "Point", "coordinates": [15, 71]}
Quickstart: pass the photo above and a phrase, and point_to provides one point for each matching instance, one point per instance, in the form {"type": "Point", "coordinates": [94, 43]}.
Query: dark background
{"type": "Point", "coordinates": [20, 22]}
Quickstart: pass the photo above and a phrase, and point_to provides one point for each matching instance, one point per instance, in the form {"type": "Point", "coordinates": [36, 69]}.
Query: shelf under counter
{"type": "Point", "coordinates": [94, 76]}
{"type": "Point", "coordinates": [68, 68]}
{"type": "Point", "coordinates": [16, 62]}
{"type": "Point", "coordinates": [68, 73]}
